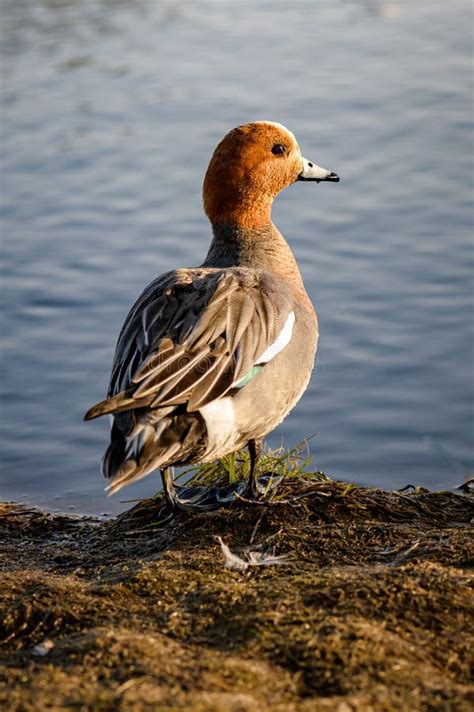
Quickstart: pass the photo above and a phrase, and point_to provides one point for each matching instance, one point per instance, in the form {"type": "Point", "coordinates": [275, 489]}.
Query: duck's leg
{"type": "Point", "coordinates": [255, 447]}
{"type": "Point", "coordinates": [171, 497]}
{"type": "Point", "coordinates": [205, 498]}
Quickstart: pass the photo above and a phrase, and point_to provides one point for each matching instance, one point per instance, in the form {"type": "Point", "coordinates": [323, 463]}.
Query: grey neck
{"type": "Point", "coordinates": [234, 246]}
{"type": "Point", "coordinates": [261, 247]}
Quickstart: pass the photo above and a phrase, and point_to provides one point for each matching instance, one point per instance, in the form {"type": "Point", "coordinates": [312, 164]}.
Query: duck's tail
{"type": "Point", "coordinates": [148, 446]}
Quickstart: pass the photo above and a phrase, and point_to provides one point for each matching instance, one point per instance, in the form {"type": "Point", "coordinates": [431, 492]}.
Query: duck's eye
{"type": "Point", "coordinates": [278, 149]}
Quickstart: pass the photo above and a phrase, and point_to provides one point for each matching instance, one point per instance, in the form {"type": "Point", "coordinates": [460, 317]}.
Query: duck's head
{"type": "Point", "coordinates": [249, 167]}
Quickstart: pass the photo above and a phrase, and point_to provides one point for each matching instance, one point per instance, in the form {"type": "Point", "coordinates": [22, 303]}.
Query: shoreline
{"type": "Point", "coordinates": [370, 610]}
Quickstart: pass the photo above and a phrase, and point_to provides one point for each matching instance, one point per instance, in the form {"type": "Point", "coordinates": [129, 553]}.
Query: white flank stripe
{"type": "Point", "coordinates": [282, 340]}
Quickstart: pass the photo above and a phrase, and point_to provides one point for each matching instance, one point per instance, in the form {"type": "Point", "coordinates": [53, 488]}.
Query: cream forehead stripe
{"type": "Point", "coordinates": [280, 127]}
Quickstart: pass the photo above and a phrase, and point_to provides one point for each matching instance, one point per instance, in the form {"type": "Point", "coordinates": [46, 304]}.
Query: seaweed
{"type": "Point", "coordinates": [370, 607]}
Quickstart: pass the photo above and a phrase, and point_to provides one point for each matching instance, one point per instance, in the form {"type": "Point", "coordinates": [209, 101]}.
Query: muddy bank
{"type": "Point", "coordinates": [372, 609]}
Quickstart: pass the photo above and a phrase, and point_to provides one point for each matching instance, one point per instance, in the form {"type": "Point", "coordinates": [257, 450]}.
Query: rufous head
{"type": "Point", "coordinates": [249, 167]}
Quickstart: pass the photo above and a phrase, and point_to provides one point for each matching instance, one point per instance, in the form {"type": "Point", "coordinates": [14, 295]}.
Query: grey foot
{"type": "Point", "coordinates": [261, 486]}
{"type": "Point", "coordinates": [208, 499]}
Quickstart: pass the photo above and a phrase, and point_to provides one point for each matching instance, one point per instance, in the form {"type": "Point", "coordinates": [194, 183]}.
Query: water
{"type": "Point", "coordinates": [110, 113]}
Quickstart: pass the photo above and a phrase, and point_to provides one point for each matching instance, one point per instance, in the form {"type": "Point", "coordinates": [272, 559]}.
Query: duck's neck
{"type": "Point", "coordinates": [262, 247]}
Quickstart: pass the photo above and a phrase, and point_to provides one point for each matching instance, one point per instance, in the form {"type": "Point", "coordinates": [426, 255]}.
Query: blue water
{"type": "Point", "coordinates": [110, 111]}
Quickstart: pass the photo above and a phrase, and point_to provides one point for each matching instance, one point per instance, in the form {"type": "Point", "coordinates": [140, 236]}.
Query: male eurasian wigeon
{"type": "Point", "coordinates": [213, 358]}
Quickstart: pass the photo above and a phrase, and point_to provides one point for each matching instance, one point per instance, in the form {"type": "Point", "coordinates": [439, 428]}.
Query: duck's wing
{"type": "Point", "coordinates": [193, 336]}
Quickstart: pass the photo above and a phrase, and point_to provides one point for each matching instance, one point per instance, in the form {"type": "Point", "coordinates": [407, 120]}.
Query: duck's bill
{"type": "Point", "coordinates": [313, 172]}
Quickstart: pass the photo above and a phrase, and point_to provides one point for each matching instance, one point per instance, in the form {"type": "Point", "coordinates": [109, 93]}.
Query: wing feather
{"type": "Point", "coordinates": [172, 373]}
{"type": "Point", "coordinates": [240, 312]}
{"type": "Point", "coordinates": [192, 335]}
{"type": "Point", "coordinates": [156, 360]}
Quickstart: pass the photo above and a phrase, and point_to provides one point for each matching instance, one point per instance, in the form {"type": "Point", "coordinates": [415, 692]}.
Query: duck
{"type": "Point", "coordinates": [211, 359]}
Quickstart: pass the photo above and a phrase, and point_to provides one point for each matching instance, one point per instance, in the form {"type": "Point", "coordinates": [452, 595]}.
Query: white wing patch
{"type": "Point", "coordinates": [221, 428]}
{"type": "Point", "coordinates": [282, 340]}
